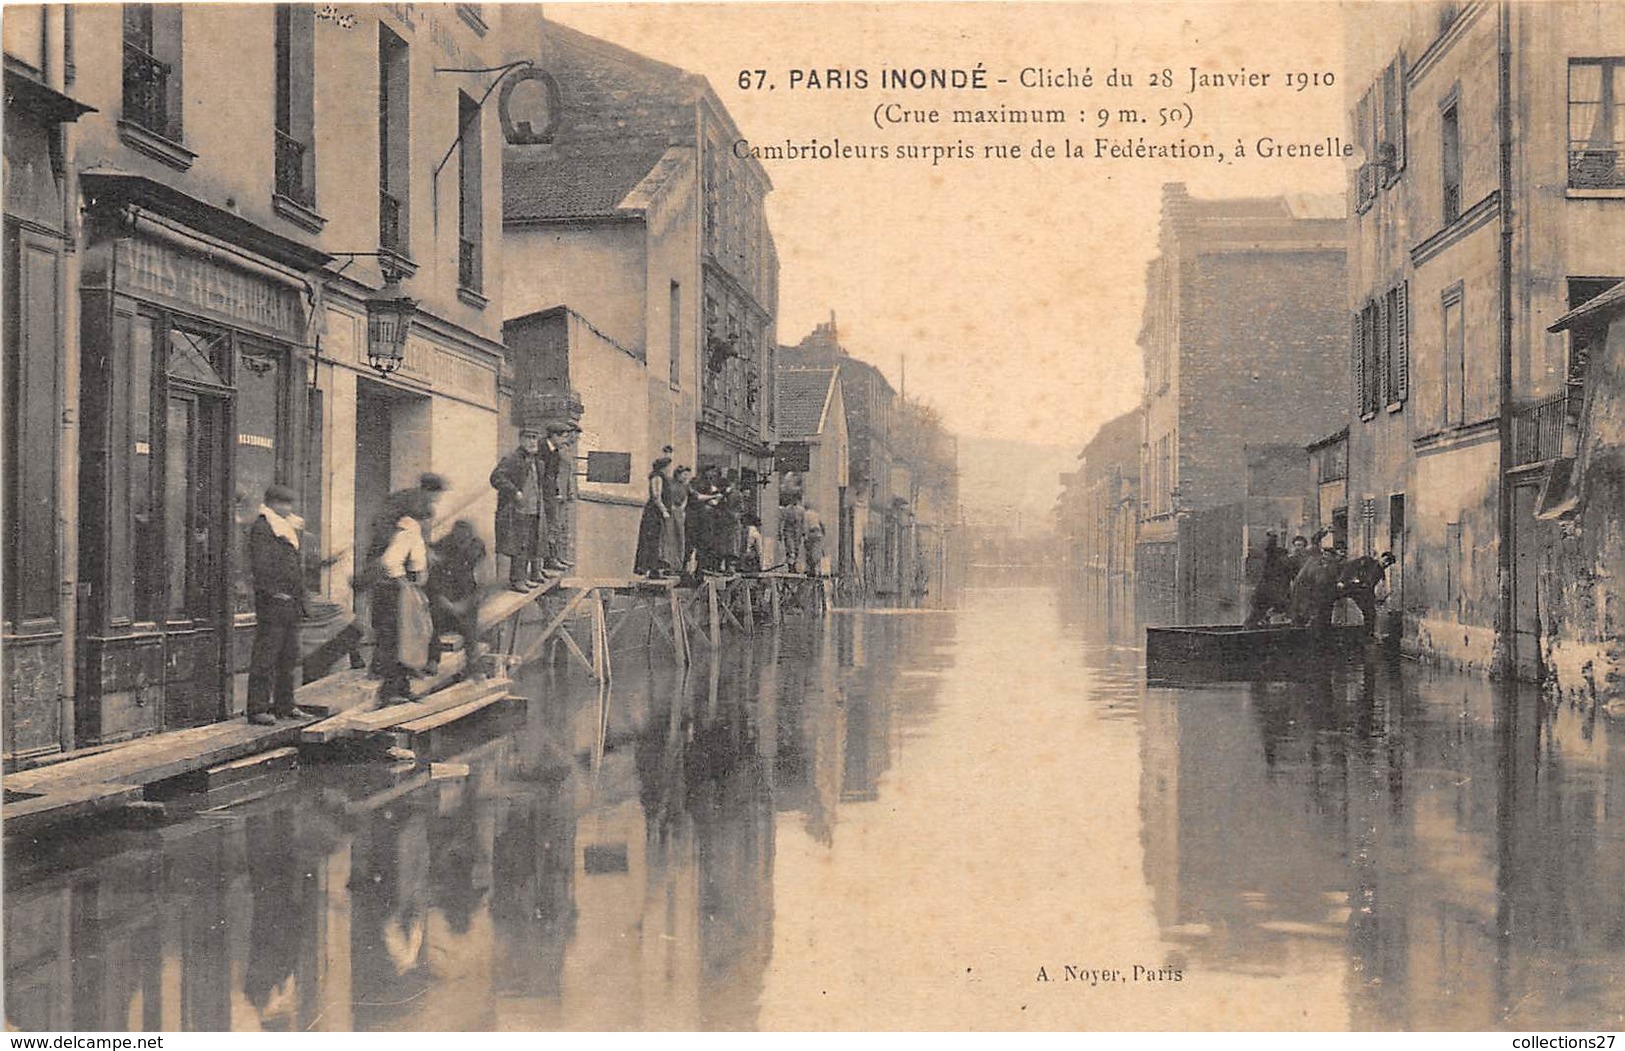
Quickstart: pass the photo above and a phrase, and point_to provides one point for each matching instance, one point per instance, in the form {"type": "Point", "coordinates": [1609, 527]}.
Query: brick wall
{"type": "Point", "coordinates": [1262, 361]}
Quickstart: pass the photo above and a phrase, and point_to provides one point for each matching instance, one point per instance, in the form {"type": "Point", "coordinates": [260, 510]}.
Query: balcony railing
{"type": "Point", "coordinates": [290, 170]}
{"type": "Point", "coordinates": [468, 264]}
{"type": "Point", "coordinates": [1596, 169]}
{"type": "Point", "coordinates": [389, 221]}
{"type": "Point", "coordinates": [1545, 430]}
{"type": "Point", "coordinates": [146, 91]}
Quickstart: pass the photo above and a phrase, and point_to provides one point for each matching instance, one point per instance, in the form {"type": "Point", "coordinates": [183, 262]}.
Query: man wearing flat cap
{"type": "Point", "coordinates": [555, 453]}
{"type": "Point", "coordinates": [521, 510]}
{"type": "Point", "coordinates": [278, 574]}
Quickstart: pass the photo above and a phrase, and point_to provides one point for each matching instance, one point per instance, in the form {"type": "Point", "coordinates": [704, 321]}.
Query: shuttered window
{"type": "Point", "coordinates": [1401, 386]}
{"type": "Point", "coordinates": [1357, 360]}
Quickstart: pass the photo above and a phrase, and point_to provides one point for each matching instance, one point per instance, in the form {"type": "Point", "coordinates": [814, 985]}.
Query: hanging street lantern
{"type": "Point", "coordinates": [389, 322]}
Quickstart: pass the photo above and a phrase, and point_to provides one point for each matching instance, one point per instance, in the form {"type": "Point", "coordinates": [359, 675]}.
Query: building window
{"type": "Point", "coordinates": [394, 128]}
{"type": "Point", "coordinates": [1399, 343]}
{"type": "Point", "coordinates": [1370, 359]}
{"type": "Point", "coordinates": [1364, 185]}
{"type": "Point", "coordinates": [1450, 154]}
{"type": "Point", "coordinates": [135, 534]}
{"type": "Point", "coordinates": [262, 454]}
{"type": "Point", "coordinates": [295, 103]}
{"type": "Point", "coordinates": [674, 338]}
{"type": "Point", "coordinates": [1391, 145]}
{"type": "Point", "coordinates": [471, 195]}
{"type": "Point", "coordinates": [1584, 339]}
{"type": "Point", "coordinates": [1454, 385]}
{"type": "Point", "coordinates": [152, 68]}
{"type": "Point", "coordinates": [1596, 123]}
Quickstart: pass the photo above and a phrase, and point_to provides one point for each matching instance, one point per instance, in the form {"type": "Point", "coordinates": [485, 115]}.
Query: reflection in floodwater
{"type": "Point", "coordinates": [882, 821]}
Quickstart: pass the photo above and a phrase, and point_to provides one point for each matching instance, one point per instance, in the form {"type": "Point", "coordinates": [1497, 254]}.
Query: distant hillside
{"type": "Point", "coordinates": [999, 480]}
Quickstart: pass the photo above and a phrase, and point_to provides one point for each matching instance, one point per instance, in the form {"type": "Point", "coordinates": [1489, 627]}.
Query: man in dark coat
{"type": "Point", "coordinates": [1359, 585]}
{"type": "Point", "coordinates": [278, 574]}
{"type": "Point", "coordinates": [1275, 578]}
{"type": "Point", "coordinates": [556, 455]}
{"type": "Point", "coordinates": [1315, 591]}
{"type": "Point", "coordinates": [1297, 558]}
{"type": "Point", "coordinates": [454, 593]}
{"type": "Point", "coordinates": [521, 511]}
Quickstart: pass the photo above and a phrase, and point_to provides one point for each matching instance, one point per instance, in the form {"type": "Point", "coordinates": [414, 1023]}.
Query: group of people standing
{"type": "Point", "coordinates": [1307, 585]}
{"type": "Point", "coordinates": [703, 525]}
{"type": "Point", "coordinates": [801, 537]}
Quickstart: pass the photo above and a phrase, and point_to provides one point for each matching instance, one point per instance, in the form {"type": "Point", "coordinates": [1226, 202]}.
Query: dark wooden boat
{"type": "Point", "coordinates": [1218, 652]}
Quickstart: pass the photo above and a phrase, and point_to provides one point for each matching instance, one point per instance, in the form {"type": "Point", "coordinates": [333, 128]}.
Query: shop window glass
{"type": "Point", "coordinates": [261, 427]}
{"type": "Point", "coordinates": [197, 356]}
{"type": "Point", "coordinates": [140, 571]}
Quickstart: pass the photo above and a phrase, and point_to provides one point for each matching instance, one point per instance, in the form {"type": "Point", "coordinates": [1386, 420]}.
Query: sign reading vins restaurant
{"type": "Point", "coordinates": [197, 283]}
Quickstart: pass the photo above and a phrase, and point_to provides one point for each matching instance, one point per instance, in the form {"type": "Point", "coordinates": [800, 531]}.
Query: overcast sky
{"type": "Point", "coordinates": [1014, 288]}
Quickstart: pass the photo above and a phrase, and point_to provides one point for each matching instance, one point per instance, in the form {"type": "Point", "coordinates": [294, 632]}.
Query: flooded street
{"type": "Point", "coordinates": [913, 820]}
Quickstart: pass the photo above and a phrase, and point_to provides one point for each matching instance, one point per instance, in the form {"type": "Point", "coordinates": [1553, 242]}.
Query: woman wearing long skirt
{"type": "Point", "coordinates": [649, 560]}
{"type": "Point", "coordinates": [674, 540]}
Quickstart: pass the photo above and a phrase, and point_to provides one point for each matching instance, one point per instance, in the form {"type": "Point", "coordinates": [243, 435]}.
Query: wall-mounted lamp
{"type": "Point", "coordinates": [389, 323]}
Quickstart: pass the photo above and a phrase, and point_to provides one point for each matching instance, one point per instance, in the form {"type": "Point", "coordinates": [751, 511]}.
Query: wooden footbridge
{"type": "Point", "coordinates": [581, 618]}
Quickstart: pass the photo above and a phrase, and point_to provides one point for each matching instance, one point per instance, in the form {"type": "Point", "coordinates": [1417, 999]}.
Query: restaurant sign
{"type": "Point", "coordinates": [203, 285]}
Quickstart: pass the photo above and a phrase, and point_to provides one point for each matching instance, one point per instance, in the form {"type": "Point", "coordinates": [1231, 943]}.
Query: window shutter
{"type": "Point", "coordinates": [1380, 394]}
{"type": "Point", "coordinates": [1402, 341]}
{"type": "Point", "coordinates": [1399, 133]}
{"type": "Point", "coordinates": [1357, 362]}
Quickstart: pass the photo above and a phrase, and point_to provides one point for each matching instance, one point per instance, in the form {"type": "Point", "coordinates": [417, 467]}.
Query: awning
{"type": "Point", "coordinates": [111, 186]}
{"type": "Point", "coordinates": [1611, 300]}
{"type": "Point", "coordinates": [25, 95]}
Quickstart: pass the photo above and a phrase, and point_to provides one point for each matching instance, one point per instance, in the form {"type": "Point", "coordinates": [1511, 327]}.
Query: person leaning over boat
{"type": "Point", "coordinates": [1358, 584]}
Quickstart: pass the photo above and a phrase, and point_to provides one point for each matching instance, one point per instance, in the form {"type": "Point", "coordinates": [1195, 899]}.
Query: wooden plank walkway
{"type": "Point", "coordinates": [107, 778]}
{"type": "Point", "coordinates": [111, 779]}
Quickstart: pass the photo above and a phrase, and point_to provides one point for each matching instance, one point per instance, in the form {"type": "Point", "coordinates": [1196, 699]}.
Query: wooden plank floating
{"type": "Point", "coordinates": [378, 720]}
{"type": "Point", "coordinates": [27, 816]}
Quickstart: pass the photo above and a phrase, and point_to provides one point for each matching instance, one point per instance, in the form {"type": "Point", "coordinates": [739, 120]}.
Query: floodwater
{"type": "Point", "coordinates": [931, 820]}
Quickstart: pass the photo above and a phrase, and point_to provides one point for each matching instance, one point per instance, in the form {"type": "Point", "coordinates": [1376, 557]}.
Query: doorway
{"type": "Point", "coordinates": [391, 450]}
{"type": "Point", "coordinates": [197, 522]}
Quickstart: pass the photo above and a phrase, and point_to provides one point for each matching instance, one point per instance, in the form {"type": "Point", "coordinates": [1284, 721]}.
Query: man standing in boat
{"type": "Point", "coordinates": [1315, 591]}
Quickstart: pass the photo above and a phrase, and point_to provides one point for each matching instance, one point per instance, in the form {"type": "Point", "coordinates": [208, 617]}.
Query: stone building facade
{"type": "Point", "coordinates": [1486, 202]}
{"type": "Point", "coordinates": [217, 337]}
{"type": "Point", "coordinates": [631, 213]}
{"type": "Point", "coordinates": [1243, 345]}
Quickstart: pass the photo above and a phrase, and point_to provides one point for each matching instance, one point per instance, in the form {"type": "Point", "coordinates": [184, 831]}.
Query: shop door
{"type": "Point", "coordinates": [197, 525]}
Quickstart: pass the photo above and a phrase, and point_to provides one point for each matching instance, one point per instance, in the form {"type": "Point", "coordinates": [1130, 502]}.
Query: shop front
{"type": "Point", "coordinates": [194, 398]}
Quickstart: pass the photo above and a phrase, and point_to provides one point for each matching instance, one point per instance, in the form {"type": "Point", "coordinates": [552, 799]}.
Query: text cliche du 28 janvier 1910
{"type": "Point", "coordinates": [951, 115]}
